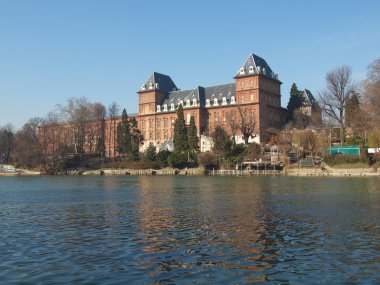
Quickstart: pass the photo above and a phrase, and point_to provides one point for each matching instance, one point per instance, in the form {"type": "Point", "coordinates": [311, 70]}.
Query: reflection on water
{"type": "Point", "coordinates": [171, 230]}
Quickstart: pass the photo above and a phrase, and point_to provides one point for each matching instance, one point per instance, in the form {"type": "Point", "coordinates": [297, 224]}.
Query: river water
{"type": "Point", "coordinates": [189, 230]}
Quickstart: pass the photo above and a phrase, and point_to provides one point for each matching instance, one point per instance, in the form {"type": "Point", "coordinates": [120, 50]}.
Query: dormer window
{"type": "Point", "coordinates": [264, 71]}
{"type": "Point", "coordinates": [251, 69]}
{"type": "Point", "coordinates": [233, 100]}
{"type": "Point", "coordinates": [180, 103]}
{"type": "Point", "coordinates": [188, 103]}
{"type": "Point", "coordinates": [194, 102]}
{"type": "Point", "coordinates": [165, 107]}
{"type": "Point", "coordinates": [224, 101]}
{"type": "Point", "coordinates": [158, 108]}
{"type": "Point", "coordinates": [143, 87]}
{"type": "Point", "coordinates": [151, 85]}
{"type": "Point", "coordinates": [157, 85]}
{"type": "Point", "coordinates": [216, 102]}
{"type": "Point", "coordinates": [207, 102]}
{"type": "Point", "coordinates": [172, 108]}
{"type": "Point", "coordinates": [241, 71]}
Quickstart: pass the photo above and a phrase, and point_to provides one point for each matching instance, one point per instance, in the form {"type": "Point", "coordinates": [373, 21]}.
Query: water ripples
{"type": "Point", "coordinates": [170, 230]}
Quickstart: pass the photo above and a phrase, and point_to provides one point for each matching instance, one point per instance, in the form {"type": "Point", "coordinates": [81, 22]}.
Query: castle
{"type": "Point", "coordinates": [255, 94]}
{"type": "Point", "coordinates": [253, 100]}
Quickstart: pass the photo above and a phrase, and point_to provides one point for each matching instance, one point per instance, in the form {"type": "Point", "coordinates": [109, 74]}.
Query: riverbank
{"type": "Point", "coordinates": [201, 171]}
{"type": "Point", "coordinates": [331, 171]}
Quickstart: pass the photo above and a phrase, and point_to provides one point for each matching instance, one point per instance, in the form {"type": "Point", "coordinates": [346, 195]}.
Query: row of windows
{"type": "Point", "coordinates": [251, 83]}
{"type": "Point", "coordinates": [149, 123]}
{"type": "Point", "coordinates": [216, 101]}
{"type": "Point", "coordinates": [172, 106]}
{"type": "Point", "coordinates": [232, 115]}
{"type": "Point", "coordinates": [165, 135]}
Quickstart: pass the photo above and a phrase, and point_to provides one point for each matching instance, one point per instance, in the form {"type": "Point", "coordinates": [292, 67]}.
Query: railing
{"type": "Point", "coordinates": [227, 172]}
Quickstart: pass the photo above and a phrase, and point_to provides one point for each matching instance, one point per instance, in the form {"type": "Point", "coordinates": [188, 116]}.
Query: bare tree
{"type": "Point", "coordinates": [334, 98]}
{"type": "Point", "coordinates": [100, 113]}
{"type": "Point", "coordinates": [29, 148]}
{"type": "Point", "coordinates": [77, 114]}
{"type": "Point", "coordinates": [232, 123]}
{"type": "Point", "coordinates": [371, 94]}
{"type": "Point", "coordinates": [113, 114]}
{"type": "Point", "coordinates": [247, 123]}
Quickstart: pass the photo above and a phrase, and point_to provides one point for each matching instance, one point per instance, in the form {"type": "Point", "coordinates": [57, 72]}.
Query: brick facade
{"type": "Point", "coordinates": [255, 93]}
{"type": "Point", "coordinates": [256, 89]}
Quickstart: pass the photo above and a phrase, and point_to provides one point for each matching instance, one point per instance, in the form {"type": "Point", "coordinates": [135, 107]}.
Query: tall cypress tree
{"type": "Point", "coordinates": [136, 139]}
{"type": "Point", "coordinates": [123, 134]}
{"type": "Point", "coordinates": [352, 109]}
{"type": "Point", "coordinates": [180, 132]}
{"type": "Point", "coordinates": [295, 101]}
{"type": "Point", "coordinates": [192, 137]}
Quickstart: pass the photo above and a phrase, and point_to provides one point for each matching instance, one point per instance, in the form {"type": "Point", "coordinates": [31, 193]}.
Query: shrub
{"type": "Point", "coordinates": [162, 157]}
{"type": "Point", "coordinates": [207, 159]}
{"type": "Point", "coordinates": [177, 160]}
{"type": "Point", "coordinates": [134, 164]}
{"type": "Point", "coordinates": [252, 152]}
{"type": "Point", "coordinates": [150, 153]}
{"type": "Point", "coordinates": [341, 159]}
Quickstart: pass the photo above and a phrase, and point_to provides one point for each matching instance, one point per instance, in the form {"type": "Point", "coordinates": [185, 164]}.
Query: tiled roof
{"type": "Point", "coordinates": [160, 82]}
{"type": "Point", "coordinates": [256, 65]}
{"type": "Point", "coordinates": [309, 100]}
{"type": "Point", "coordinates": [201, 94]}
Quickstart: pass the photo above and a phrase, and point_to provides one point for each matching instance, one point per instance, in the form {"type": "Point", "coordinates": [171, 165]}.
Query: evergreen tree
{"type": "Point", "coordinates": [123, 134]}
{"type": "Point", "coordinates": [192, 137]}
{"type": "Point", "coordinates": [180, 132]}
{"type": "Point", "coordinates": [136, 139]}
{"type": "Point", "coordinates": [295, 101]}
{"type": "Point", "coordinates": [352, 109]}
{"type": "Point", "coordinates": [222, 143]}
{"type": "Point", "coordinates": [150, 153]}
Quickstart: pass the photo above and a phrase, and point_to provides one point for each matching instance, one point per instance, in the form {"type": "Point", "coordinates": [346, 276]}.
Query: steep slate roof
{"type": "Point", "coordinates": [256, 65]}
{"type": "Point", "coordinates": [201, 94]}
{"type": "Point", "coordinates": [160, 82]}
{"type": "Point", "coordinates": [309, 100]}
{"type": "Point", "coordinates": [176, 96]}
{"type": "Point", "coordinates": [220, 91]}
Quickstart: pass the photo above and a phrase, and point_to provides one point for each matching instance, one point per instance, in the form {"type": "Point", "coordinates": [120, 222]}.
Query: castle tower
{"type": "Point", "coordinates": [153, 91]}
{"type": "Point", "coordinates": [151, 95]}
{"type": "Point", "coordinates": [258, 88]}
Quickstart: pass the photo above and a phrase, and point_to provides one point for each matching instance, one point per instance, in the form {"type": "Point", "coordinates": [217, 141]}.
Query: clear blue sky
{"type": "Point", "coordinates": [104, 50]}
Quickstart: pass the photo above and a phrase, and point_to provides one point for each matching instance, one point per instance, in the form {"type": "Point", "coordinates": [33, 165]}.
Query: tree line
{"type": "Point", "coordinates": [343, 103]}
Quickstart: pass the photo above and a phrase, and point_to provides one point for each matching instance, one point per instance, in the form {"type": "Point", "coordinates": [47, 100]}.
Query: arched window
{"type": "Point", "coordinates": [207, 102]}
{"type": "Point", "coordinates": [224, 101]}
{"type": "Point", "coordinates": [187, 102]}
{"type": "Point", "coordinates": [188, 119]}
{"type": "Point", "coordinates": [158, 108]}
{"type": "Point", "coordinates": [233, 100]}
{"type": "Point", "coordinates": [216, 102]}
{"type": "Point", "coordinates": [172, 108]}
{"type": "Point", "coordinates": [194, 102]}
{"type": "Point", "coordinates": [165, 107]}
